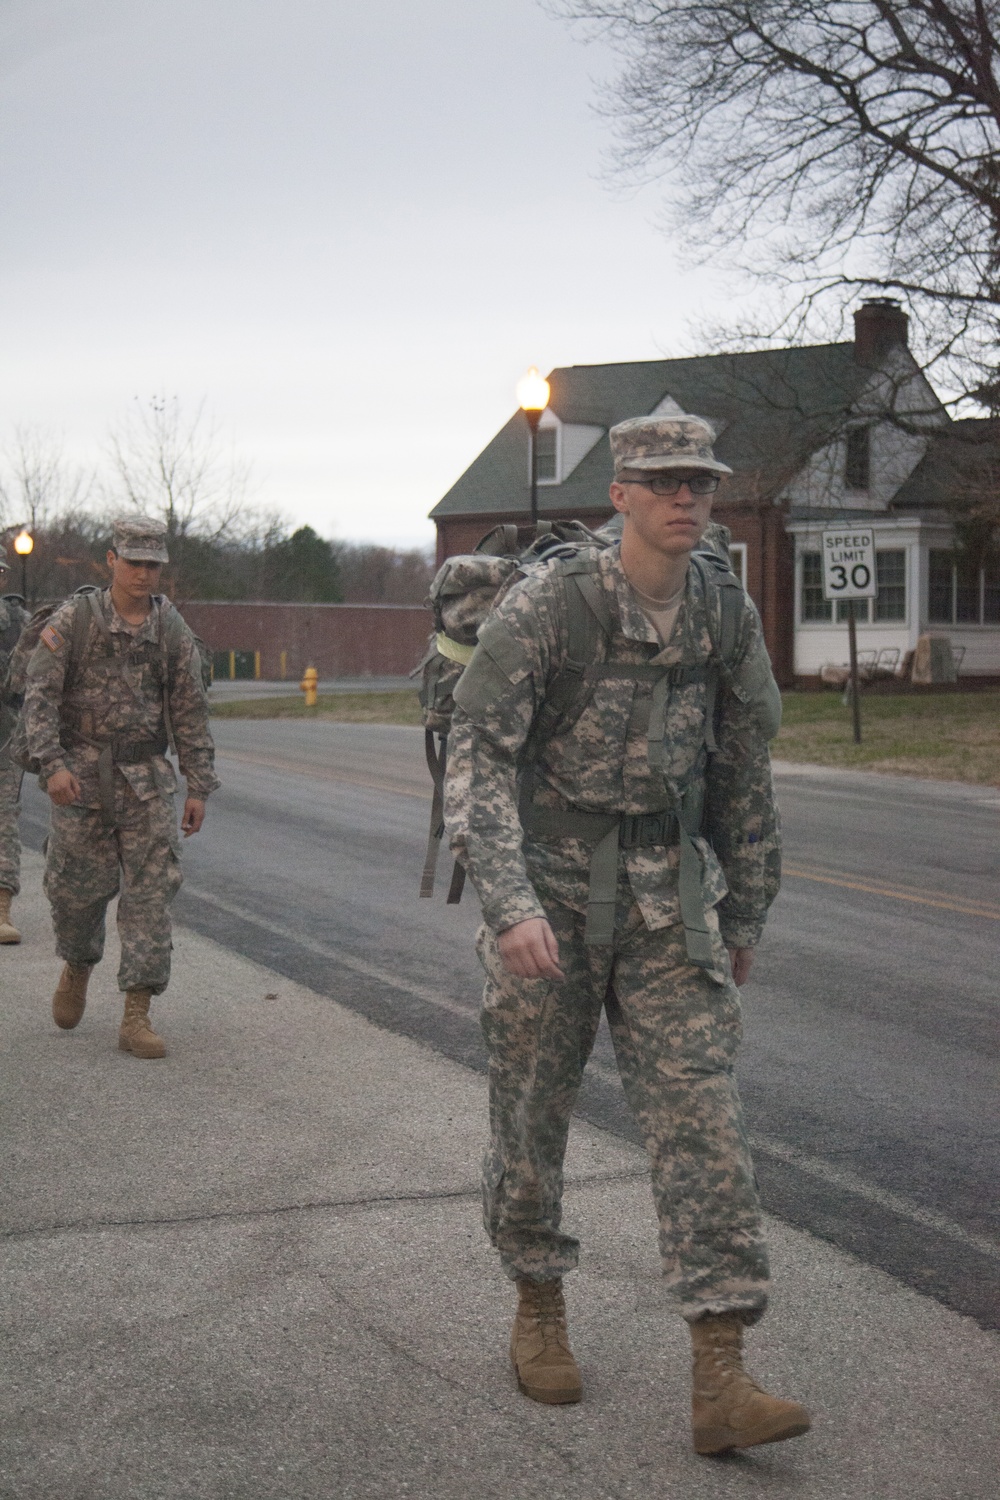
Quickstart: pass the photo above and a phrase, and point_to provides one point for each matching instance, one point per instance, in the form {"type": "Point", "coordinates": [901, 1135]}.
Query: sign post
{"type": "Point", "coordinates": [849, 574]}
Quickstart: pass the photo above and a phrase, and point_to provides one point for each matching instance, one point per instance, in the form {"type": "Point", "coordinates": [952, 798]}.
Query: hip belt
{"type": "Point", "coordinates": [611, 832]}
{"type": "Point", "coordinates": [119, 750]}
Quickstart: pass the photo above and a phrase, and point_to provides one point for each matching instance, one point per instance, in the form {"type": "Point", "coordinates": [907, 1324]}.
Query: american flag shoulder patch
{"type": "Point", "coordinates": [52, 638]}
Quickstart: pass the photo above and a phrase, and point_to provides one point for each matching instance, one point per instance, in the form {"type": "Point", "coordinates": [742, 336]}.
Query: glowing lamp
{"type": "Point", "coordinates": [23, 543]}
{"type": "Point", "coordinates": [533, 391]}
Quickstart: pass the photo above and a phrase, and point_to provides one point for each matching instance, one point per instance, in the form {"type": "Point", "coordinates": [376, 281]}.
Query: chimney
{"type": "Point", "coordinates": [880, 324]}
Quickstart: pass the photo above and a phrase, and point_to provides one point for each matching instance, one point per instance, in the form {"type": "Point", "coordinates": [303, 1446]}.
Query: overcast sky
{"type": "Point", "coordinates": [350, 228]}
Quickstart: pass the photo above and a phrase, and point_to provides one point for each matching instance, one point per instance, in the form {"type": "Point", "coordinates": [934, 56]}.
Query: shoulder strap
{"type": "Point", "coordinates": [730, 595]}
{"type": "Point", "coordinates": [587, 618]}
{"type": "Point", "coordinates": [86, 607]}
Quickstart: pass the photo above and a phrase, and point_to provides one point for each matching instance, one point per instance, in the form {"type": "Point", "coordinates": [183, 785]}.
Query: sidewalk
{"type": "Point", "coordinates": [255, 1271]}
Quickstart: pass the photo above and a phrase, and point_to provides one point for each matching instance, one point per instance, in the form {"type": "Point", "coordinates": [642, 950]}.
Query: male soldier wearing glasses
{"type": "Point", "coordinates": [99, 712]}
{"type": "Point", "coordinates": [636, 876]}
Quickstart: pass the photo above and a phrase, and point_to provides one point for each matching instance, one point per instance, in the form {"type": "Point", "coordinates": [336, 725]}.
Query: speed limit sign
{"type": "Point", "coordinates": [849, 564]}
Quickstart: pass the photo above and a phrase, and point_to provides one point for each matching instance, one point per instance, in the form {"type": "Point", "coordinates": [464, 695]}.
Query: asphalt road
{"type": "Point", "coordinates": [869, 1068]}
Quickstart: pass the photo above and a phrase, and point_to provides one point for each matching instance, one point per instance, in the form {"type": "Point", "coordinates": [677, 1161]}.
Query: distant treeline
{"type": "Point", "coordinates": [296, 567]}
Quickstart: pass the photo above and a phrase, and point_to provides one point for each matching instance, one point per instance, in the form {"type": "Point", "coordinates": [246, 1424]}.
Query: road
{"type": "Point", "coordinates": [869, 1067]}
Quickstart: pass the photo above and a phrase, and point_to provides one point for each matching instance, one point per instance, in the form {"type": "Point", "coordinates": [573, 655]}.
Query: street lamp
{"type": "Point", "coordinates": [23, 543]}
{"type": "Point", "coordinates": [533, 396]}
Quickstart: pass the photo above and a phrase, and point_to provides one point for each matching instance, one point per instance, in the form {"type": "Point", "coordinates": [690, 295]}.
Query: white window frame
{"type": "Point", "coordinates": [555, 427]}
{"type": "Point", "coordinates": [738, 553]}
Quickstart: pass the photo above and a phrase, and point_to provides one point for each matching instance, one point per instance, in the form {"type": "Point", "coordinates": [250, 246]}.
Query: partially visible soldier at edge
{"type": "Point", "coordinates": [101, 742]}
{"type": "Point", "coordinates": [12, 620]}
{"type": "Point", "coordinates": [606, 900]}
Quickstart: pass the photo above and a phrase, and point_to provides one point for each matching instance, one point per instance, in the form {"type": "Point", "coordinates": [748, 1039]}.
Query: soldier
{"type": "Point", "coordinates": [635, 873]}
{"type": "Point", "coordinates": [12, 620]}
{"type": "Point", "coordinates": [99, 713]}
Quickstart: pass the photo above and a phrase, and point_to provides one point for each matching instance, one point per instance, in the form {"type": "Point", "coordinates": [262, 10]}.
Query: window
{"type": "Point", "coordinates": [960, 594]}
{"type": "Point", "coordinates": [941, 605]}
{"type": "Point", "coordinates": [548, 455]}
{"type": "Point", "coordinates": [856, 470]}
{"type": "Point", "coordinates": [814, 606]}
{"type": "Point", "coordinates": [890, 571]}
{"type": "Point", "coordinates": [738, 553]}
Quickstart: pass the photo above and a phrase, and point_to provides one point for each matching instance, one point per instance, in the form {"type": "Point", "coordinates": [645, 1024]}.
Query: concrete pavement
{"type": "Point", "coordinates": [255, 1269]}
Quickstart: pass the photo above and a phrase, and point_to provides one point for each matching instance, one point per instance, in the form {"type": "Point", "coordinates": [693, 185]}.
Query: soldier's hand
{"type": "Point", "coordinates": [63, 788]}
{"type": "Point", "coordinates": [193, 816]}
{"type": "Point", "coordinates": [742, 962]}
{"type": "Point", "coordinates": [529, 950]}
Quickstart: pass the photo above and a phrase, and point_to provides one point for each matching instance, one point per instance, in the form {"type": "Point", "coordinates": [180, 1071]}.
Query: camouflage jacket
{"type": "Point", "coordinates": [601, 764]}
{"type": "Point", "coordinates": [12, 621]}
{"type": "Point", "coordinates": [118, 695]}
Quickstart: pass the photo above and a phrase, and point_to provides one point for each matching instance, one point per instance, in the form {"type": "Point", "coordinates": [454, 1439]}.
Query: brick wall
{"type": "Point", "coordinates": [339, 640]}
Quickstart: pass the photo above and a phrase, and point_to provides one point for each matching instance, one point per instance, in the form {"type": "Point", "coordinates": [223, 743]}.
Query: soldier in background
{"type": "Point", "coordinates": [635, 878]}
{"type": "Point", "coordinates": [99, 725]}
{"type": "Point", "coordinates": [12, 620]}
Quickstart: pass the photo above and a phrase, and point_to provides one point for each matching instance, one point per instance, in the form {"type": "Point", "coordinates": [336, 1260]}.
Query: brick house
{"type": "Point", "coordinates": [815, 435]}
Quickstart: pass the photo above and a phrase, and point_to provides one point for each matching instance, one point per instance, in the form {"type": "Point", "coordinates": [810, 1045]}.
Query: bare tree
{"type": "Point", "coordinates": [37, 482]}
{"type": "Point", "coordinates": [40, 489]}
{"type": "Point", "coordinates": [174, 465]}
{"type": "Point", "coordinates": [829, 149]}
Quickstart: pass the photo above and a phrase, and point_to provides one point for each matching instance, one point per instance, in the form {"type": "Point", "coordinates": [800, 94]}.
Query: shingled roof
{"type": "Point", "coordinates": [771, 408]}
{"type": "Point", "coordinates": [961, 466]}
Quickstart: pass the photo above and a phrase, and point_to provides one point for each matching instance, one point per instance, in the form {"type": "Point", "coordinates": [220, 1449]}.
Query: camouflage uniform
{"type": "Point", "coordinates": [12, 619]}
{"type": "Point", "coordinates": [675, 1025]}
{"type": "Point", "coordinates": [116, 695]}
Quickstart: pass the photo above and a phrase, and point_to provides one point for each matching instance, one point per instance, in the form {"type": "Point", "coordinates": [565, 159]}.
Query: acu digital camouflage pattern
{"type": "Point", "coordinates": [12, 620]}
{"type": "Point", "coordinates": [602, 763]}
{"type": "Point", "coordinates": [116, 694]}
{"type": "Point", "coordinates": [651, 443]}
{"type": "Point", "coordinates": [88, 864]}
{"type": "Point", "coordinates": [676, 1035]}
{"type": "Point", "coordinates": [676, 1027]}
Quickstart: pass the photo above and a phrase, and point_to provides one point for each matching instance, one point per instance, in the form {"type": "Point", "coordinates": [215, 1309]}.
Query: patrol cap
{"type": "Point", "coordinates": [653, 443]}
{"type": "Point", "coordinates": [140, 539]}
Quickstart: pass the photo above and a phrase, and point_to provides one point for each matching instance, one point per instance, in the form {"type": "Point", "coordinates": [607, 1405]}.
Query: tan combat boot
{"type": "Point", "coordinates": [8, 932]}
{"type": "Point", "coordinates": [727, 1409]}
{"type": "Point", "coordinates": [70, 997]}
{"type": "Point", "coordinates": [135, 1034]}
{"type": "Point", "coordinates": [539, 1345]}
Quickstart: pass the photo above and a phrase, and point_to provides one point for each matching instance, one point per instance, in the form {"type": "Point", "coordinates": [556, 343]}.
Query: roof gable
{"type": "Point", "coordinates": [772, 408]}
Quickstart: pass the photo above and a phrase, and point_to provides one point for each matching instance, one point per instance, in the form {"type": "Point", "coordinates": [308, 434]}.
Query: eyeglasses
{"type": "Point", "coordinates": [669, 484]}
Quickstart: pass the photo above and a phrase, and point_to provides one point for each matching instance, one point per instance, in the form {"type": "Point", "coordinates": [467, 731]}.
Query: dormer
{"type": "Point", "coordinates": [562, 445]}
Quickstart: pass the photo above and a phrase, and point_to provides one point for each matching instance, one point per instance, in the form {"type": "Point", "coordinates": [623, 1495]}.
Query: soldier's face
{"type": "Point", "coordinates": [136, 580]}
{"type": "Point", "coordinates": [669, 524]}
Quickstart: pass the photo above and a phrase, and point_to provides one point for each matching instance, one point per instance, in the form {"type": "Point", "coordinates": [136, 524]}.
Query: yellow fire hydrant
{"type": "Point", "coordinates": [310, 678]}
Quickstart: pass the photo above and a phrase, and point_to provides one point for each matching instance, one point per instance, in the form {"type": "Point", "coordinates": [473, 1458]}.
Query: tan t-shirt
{"type": "Point", "coordinates": [662, 617]}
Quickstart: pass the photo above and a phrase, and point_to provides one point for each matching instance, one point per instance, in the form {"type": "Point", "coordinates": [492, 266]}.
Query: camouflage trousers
{"type": "Point", "coordinates": [11, 776]}
{"type": "Point", "coordinates": [87, 865]}
{"type": "Point", "coordinates": [676, 1032]}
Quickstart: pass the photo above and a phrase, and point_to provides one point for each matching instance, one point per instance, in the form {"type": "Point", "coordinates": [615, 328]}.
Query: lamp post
{"type": "Point", "coordinates": [23, 544]}
{"type": "Point", "coordinates": [533, 396]}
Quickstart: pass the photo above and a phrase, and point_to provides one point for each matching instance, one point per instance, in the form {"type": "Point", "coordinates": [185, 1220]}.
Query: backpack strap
{"type": "Point", "coordinates": [714, 574]}
{"type": "Point", "coordinates": [87, 608]}
{"type": "Point", "coordinates": [172, 629]}
{"type": "Point", "coordinates": [437, 756]}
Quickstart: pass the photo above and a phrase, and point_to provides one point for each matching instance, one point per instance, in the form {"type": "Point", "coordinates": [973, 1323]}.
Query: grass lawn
{"type": "Point", "coordinates": [954, 736]}
{"type": "Point", "coordinates": [345, 708]}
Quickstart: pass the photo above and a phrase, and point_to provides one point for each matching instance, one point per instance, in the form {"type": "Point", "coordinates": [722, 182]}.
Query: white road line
{"type": "Point", "coordinates": [813, 1166]}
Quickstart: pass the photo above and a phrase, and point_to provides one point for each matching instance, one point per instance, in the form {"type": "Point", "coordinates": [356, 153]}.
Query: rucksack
{"type": "Point", "coordinates": [87, 608]}
{"type": "Point", "coordinates": [468, 587]}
